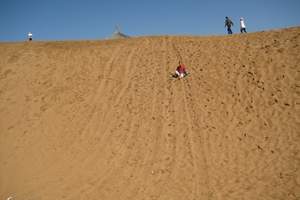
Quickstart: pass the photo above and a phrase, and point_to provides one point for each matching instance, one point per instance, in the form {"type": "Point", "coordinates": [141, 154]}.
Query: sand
{"type": "Point", "coordinates": [105, 120]}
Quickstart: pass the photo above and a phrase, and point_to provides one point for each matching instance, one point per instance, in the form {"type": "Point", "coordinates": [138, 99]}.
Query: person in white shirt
{"type": "Point", "coordinates": [29, 36]}
{"type": "Point", "coordinates": [242, 25]}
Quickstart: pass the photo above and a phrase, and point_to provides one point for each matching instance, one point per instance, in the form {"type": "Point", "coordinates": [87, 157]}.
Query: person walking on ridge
{"type": "Point", "coordinates": [242, 25]}
{"type": "Point", "coordinates": [228, 23]}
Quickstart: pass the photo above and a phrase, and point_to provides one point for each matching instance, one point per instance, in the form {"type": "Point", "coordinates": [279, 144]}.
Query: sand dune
{"type": "Point", "coordinates": [105, 120]}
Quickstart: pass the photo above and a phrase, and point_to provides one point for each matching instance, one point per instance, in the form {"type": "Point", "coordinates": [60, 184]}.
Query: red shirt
{"type": "Point", "coordinates": [181, 68]}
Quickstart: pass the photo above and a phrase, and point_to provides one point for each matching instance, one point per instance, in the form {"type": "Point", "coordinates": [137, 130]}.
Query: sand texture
{"type": "Point", "coordinates": [105, 120]}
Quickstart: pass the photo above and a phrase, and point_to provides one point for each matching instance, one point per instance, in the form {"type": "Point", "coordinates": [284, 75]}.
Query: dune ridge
{"type": "Point", "coordinates": [105, 120]}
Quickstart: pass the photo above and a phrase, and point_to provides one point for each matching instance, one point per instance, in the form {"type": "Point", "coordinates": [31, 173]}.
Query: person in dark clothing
{"type": "Point", "coordinates": [228, 23]}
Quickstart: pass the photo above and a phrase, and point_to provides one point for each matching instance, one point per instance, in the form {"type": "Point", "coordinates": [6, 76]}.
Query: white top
{"type": "Point", "coordinates": [242, 23]}
{"type": "Point", "coordinates": [29, 34]}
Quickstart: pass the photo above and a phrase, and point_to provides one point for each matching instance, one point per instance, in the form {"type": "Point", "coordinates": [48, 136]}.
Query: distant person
{"type": "Point", "coordinates": [242, 25]}
{"type": "Point", "coordinates": [29, 36]}
{"type": "Point", "coordinates": [180, 71]}
{"type": "Point", "coordinates": [228, 23]}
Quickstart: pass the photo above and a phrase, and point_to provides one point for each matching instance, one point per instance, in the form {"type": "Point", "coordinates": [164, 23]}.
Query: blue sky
{"type": "Point", "coordinates": [96, 19]}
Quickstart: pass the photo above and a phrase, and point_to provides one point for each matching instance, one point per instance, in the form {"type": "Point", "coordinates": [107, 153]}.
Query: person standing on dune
{"type": "Point", "coordinates": [242, 25]}
{"type": "Point", "coordinates": [29, 36]}
{"type": "Point", "coordinates": [228, 23]}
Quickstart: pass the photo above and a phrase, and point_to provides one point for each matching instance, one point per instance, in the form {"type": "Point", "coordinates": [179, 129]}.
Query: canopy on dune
{"type": "Point", "coordinates": [118, 34]}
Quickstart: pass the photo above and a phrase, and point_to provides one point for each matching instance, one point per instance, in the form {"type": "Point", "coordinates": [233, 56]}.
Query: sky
{"type": "Point", "coordinates": [96, 19]}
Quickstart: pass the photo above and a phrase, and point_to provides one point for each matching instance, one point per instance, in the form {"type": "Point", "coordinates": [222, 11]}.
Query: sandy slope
{"type": "Point", "coordinates": [104, 119]}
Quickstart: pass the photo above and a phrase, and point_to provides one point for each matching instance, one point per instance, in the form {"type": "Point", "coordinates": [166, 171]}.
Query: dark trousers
{"type": "Point", "coordinates": [243, 30]}
{"type": "Point", "coordinates": [229, 30]}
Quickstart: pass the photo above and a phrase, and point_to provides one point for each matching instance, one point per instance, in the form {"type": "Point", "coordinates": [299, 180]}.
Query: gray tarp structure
{"type": "Point", "coordinates": [118, 34]}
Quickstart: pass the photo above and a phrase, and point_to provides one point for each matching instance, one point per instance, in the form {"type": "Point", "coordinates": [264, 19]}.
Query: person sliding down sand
{"type": "Point", "coordinates": [180, 71]}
